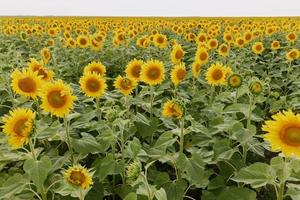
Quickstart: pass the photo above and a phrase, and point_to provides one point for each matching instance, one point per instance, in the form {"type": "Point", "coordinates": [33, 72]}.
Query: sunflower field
{"type": "Point", "coordinates": [149, 108]}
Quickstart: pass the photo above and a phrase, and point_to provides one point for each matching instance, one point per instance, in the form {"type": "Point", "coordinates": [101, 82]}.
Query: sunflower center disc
{"type": "Point", "coordinates": [292, 136]}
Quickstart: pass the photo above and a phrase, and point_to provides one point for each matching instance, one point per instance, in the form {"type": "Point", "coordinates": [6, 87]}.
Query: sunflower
{"type": "Point", "coordinates": [78, 176]}
{"type": "Point", "coordinates": [46, 55]}
{"type": "Point", "coordinates": [234, 80]}
{"type": "Point", "coordinates": [57, 98]}
{"type": "Point", "coordinates": [291, 37]}
{"type": "Point", "coordinates": [228, 38]}
{"type": "Point", "coordinates": [196, 69]}
{"type": "Point", "coordinates": [133, 69]}
{"type": "Point", "coordinates": [172, 109]}
{"type": "Point", "coordinates": [258, 47]}
{"type": "Point", "coordinates": [178, 73]}
{"type": "Point", "coordinates": [82, 41]}
{"type": "Point", "coordinates": [96, 67]}
{"type": "Point", "coordinates": [202, 56]}
{"type": "Point", "coordinates": [95, 45]}
{"type": "Point", "coordinates": [248, 36]}
{"type": "Point", "coordinates": [293, 54]}
{"type": "Point", "coordinates": [160, 40]}
{"type": "Point", "coordinates": [212, 43]}
{"type": "Point", "coordinates": [216, 74]}
{"type": "Point", "coordinates": [177, 54]}
{"type": "Point", "coordinates": [18, 126]}
{"type": "Point", "coordinates": [275, 45]}
{"type": "Point", "coordinates": [240, 42]}
{"type": "Point", "coordinates": [283, 133]}
{"type": "Point", "coordinates": [42, 72]}
{"type": "Point", "coordinates": [125, 84]}
{"type": "Point", "coordinates": [256, 87]}
{"type": "Point", "coordinates": [26, 83]}
{"type": "Point", "coordinates": [143, 42]}
{"type": "Point", "coordinates": [71, 43]}
{"type": "Point", "coordinates": [224, 50]}
{"type": "Point", "coordinates": [92, 84]}
{"type": "Point", "coordinates": [153, 72]}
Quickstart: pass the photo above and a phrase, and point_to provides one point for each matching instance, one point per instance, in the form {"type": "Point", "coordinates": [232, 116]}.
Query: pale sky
{"type": "Point", "coordinates": [151, 7]}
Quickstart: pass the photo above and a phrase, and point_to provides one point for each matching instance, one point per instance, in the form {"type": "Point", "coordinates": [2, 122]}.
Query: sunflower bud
{"type": "Point", "coordinates": [256, 87]}
{"type": "Point", "coordinates": [133, 171]}
{"type": "Point", "coordinates": [234, 80]}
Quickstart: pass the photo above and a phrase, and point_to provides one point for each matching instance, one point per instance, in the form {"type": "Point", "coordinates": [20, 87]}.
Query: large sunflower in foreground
{"type": "Point", "coordinates": [153, 72]}
{"type": "Point", "coordinates": [283, 133]}
{"type": "Point", "coordinates": [293, 54]}
{"type": "Point", "coordinates": [216, 74]}
{"type": "Point", "coordinates": [78, 176]}
{"type": "Point", "coordinates": [178, 73]}
{"type": "Point", "coordinates": [57, 98]}
{"type": "Point", "coordinates": [133, 69]}
{"type": "Point", "coordinates": [172, 109]}
{"type": "Point", "coordinates": [25, 83]}
{"type": "Point", "coordinates": [45, 74]}
{"type": "Point", "coordinates": [95, 67]}
{"type": "Point", "coordinates": [125, 84]}
{"type": "Point", "coordinates": [18, 126]}
{"type": "Point", "coordinates": [92, 84]}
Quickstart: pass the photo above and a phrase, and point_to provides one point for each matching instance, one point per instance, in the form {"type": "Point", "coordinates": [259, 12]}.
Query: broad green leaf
{"type": "Point", "coordinates": [237, 194]}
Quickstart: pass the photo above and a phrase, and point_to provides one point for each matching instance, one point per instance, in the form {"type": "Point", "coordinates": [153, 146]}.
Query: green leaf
{"type": "Point", "coordinates": [86, 144]}
{"type": "Point", "coordinates": [160, 194]}
{"type": "Point", "coordinates": [175, 190]}
{"type": "Point", "coordinates": [12, 186]}
{"type": "Point", "coordinates": [257, 175]}
{"type": "Point", "coordinates": [104, 166]}
{"type": "Point", "coordinates": [237, 194]}
{"type": "Point", "coordinates": [131, 196]}
{"type": "Point", "coordinates": [162, 143]}
{"type": "Point", "coordinates": [38, 170]}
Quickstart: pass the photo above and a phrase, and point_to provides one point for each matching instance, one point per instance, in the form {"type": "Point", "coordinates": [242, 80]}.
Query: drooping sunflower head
{"type": "Point", "coordinates": [275, 45]}
{"type": "Point", "coordinates": [293, 54]}
{"type": "Point", "coordinates": [95, 44]}
{"type": "Point", "coordinates": [196, 69]}
{"type": "Point", "coordinates": [172, 109]}
{"type": "Point", "coordinates": [57, 98]}
{"type": "Point", "coordinates": [18, 126]}
{"type": "Point", "coordinates": [283, 133]}
{"type": "Point", "coordinates": [202, 56]}
{"type": "Point", "coordinates": [153, 72]}
{"type": "Point", "coordinates": [46, 55]}
{"type": "Point", "coordinates": [26, 83]}
{"type": "Point", "coordinates": [235, 80]}
{"type": "Point", "coordinates": [133, 69]}
{"type": "Point", "coordinates": [78, 176]}
{"type": "Point", "coordinates": [256, 87]}
{"type": "Point", "coordinates": [258, 47]}
{"type": "Point", "coordinates": [178, 73]}
{"type": "Point", "coordinates": [160, 40]}
{"type": "Point", "coordinates": [177, 54]}
{"type": "Point", "coordinates": [95, 67]}
{"type": "Point", "coordinates": [92, 84]}
{"type": "Point", "coordinates": [125, 84]}
{"type": "Point", "coordinates": [216, 74]}
{"type": "Point", "coordinates": [143, 42]}
{"type": "Point", "coordinates": [224, 50]}
{"type": "Point", "coordinates": [83, 41]}
{"type": "Point", "coordinates": [44, 73]}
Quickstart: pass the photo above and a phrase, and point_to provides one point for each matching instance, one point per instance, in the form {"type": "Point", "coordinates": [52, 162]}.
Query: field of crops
{"type": "Point", "coordinates": [149, 108]}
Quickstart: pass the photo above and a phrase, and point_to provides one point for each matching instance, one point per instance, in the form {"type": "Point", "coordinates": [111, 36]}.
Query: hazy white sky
{"type": "Point", "coordinates": [151, 7]}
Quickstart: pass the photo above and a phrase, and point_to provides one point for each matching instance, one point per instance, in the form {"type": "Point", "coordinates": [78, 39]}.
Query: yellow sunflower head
{"type": "Point", "coordinates": [283, 133]}
{"type": "Point", "coordinates": [293, 54]}
{"type": "Point", "coordinates": [57, 98]}
{"type": "Point", "coordinates": [275, 45]}
{"type": "Point", "coordinates": [258, 47]}
{"type": "Point", "coordinates": [177, 54]}
{"type": "Point", "coordinates": [160, 40]}
{"type": "Point", "coordinates": [216, 74]}
{"type": "Point", "coordinates": [44, 73]}
{"type": "Point", "coordinates": [291, 37]}
{"type": "Point", "coordinates": [178, 73]}
{"type": "Point", "coordinates": [46, 55]}
{"type": "Point", "coordinates": [202, 56]}
{"type": "Point", "coordinates": [143, 42]}
{"type": "Point", "coordinates": [212, 43]}
{"type": "Point", "coordinates": [92, 84]}
{"type": "Point", "coordinates": [71, 43]}
{"type": "Point", "coordinates": [240, 42]}
{"type": "Point", "coordinates": [95, 67]}
{"type": "Point", "coordinates": [235, 80]}
{"type": "Point", "coordinates": [224, 50]}
{"type": "Point", "coordinates": [196, 69]}
{"type": "Point", "coordinates": [78, 176]}
{"type": "Point", "coordinates": [18, 126]}
{"type": "Point", "coordinates": [153, 72]}
{"type": "Point", "coordinates": [26, 83]}
{"type": "Point", "coordinates": [125, 84]}
{"type": "Point", "coordinates": [133, 69]}
{"type": "Point", "coordinates": [83, 41]}
{"type": "Point", "coordinates": [256, 87]}
{"type": "Point", "coordinates": [172, 109]}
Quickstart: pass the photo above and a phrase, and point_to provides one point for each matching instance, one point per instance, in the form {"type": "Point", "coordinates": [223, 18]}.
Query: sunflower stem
{"type": "Point", "coordinates": [212, 96]}
{"type": "Point", "coordinates": [32, 149]}
{"type": "Point", "coordinates": [181, 122]}
{"type": "Point", "coordinates": [68, 137]}
{"type": "Point", "coordinates": [236, 95]}
{"type": "Point", "coordinates": [98, 110]}
{"type": "Point", "coordinates": [152, 97]}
